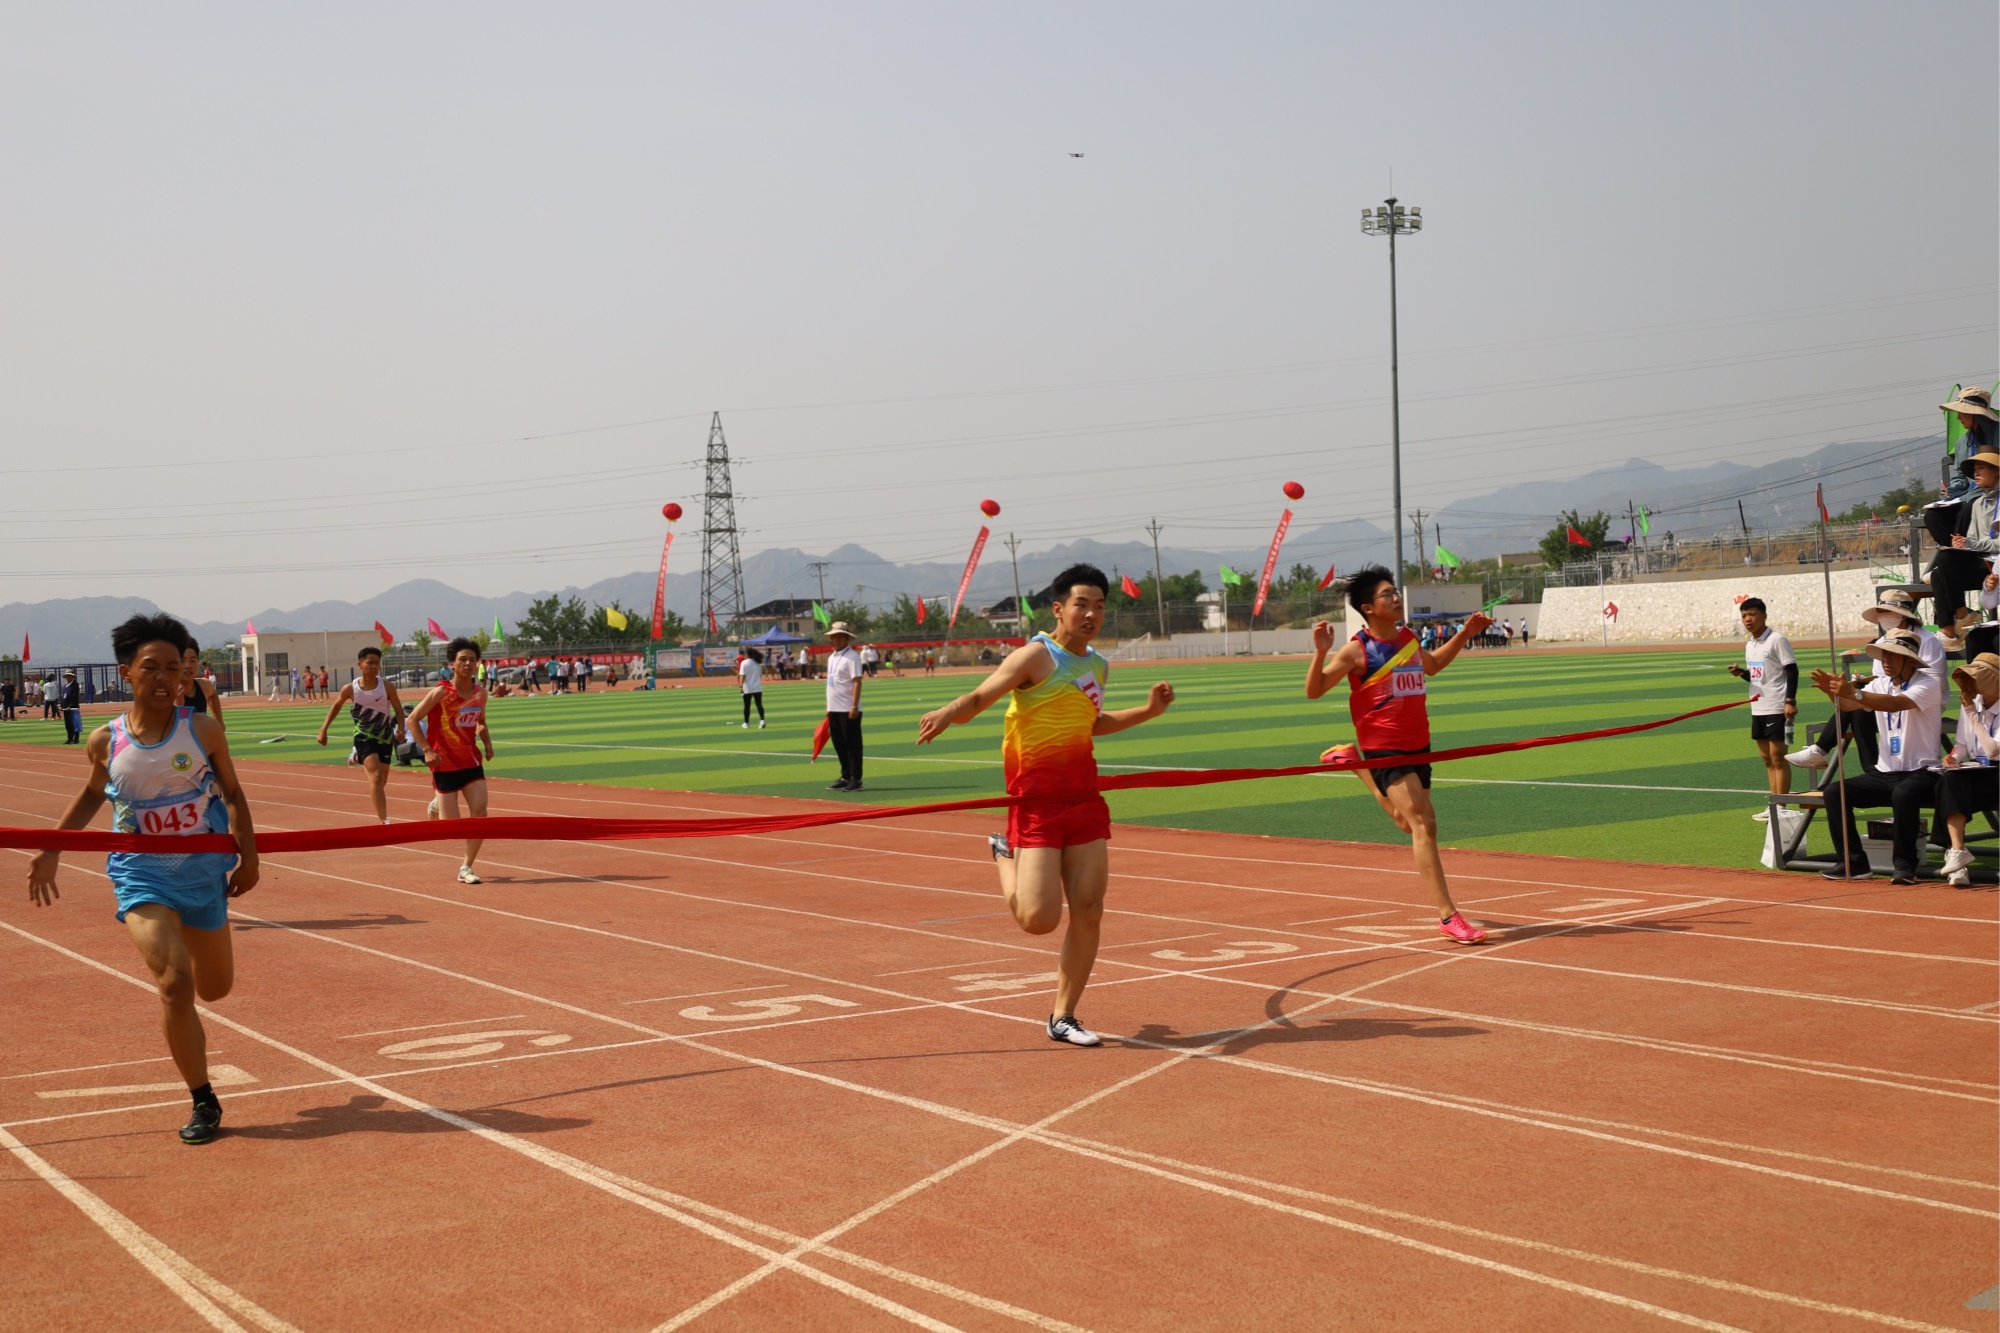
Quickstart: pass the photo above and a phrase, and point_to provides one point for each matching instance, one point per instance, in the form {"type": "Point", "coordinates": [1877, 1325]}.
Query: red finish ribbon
{"type": "Point", "coordinates": [553, 828]}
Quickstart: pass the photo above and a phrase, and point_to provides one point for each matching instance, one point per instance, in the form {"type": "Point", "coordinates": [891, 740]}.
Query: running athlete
{"type": "Point", "coordinates": [378, 724]}
{"type": "Point", "coordinates": [1055, 847]}
{"type": "Point", "coordinates": [1385, 668]}
{"type": "Point", "coordinates": [198, 692]}
{"type": "Point", "coordinates": [451, 719]}
{"type": "Point", "coordinates": [167, 772]}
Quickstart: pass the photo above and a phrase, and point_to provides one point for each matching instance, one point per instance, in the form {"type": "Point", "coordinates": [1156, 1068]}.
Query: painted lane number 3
{"type": "Point", "coordinates": [777, 1006]}
{"type": "Point", "coordinates": [1233, 950]}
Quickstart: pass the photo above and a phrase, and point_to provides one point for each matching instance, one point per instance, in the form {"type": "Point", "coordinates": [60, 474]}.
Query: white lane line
{"type": "Point", "coordinates": [197, 1290]}
{"type": "Point", "coordinates": [425, 1027]}
{"type": "Point", "coordinates": [219, 1076]}
{"type": "Point", "coordinates": [84, 1069]}
{"type": "Point", "coordinates": [704, 994]}
{"type": "Point", "coordinates": [943, 967]}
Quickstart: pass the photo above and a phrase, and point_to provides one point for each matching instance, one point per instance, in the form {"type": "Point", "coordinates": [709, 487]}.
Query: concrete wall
{"type": "Point", "coordinates": [1706, 608]}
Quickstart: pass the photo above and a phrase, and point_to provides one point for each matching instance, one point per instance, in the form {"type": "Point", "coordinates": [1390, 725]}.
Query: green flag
{"type": "Point", "coordinates": [1645, 522]}
{"type": "Point", "coordinates": [1231, 577]}
{"type": "Point", "coordinates": [1027, 612]}
{"type": "Point", "coordinates": [820, 616]}
{"type": "Point", "coordinates": [498, 637]}
{"type": "Point", "coordinates": [1447, 559]}
{"type": "Point", "coordinates": [1954, 431]}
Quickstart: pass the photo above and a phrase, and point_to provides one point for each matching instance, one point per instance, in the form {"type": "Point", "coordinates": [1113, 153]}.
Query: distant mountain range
{"type": "Point", "coordinates": [1690, 501]}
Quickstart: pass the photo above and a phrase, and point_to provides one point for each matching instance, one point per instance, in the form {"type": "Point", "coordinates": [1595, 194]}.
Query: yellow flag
{"type": "Point", "coordinates": [614, 617]}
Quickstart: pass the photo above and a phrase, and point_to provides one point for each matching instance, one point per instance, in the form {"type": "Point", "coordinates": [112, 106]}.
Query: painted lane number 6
{"type": "Point", "coordinates": [777, 1006]}
{"type": "Point", "coordinates": [1233, 950]}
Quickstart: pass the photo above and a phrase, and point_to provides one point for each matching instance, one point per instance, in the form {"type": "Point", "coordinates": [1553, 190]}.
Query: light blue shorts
{"type": "Point", "coordinates": [201, 904]}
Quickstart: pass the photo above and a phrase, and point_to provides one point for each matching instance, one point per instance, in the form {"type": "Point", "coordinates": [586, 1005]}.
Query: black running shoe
{"type": "Point", "coordinates": [838, 784]}
{"type": "Point", "coordinates": [1064, 1027]}
{"type": "Point", "coordinates": [205, 1125]}
{"type": "Point", "coordinates": [854, 785]}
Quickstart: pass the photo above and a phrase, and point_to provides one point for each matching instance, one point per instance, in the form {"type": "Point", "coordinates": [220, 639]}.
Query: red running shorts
{"type": "Point", "coordinates": [1064, 821]}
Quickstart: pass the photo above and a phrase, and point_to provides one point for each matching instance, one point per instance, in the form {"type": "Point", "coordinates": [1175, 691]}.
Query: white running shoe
{"type": "Point", "coordinates": [760, 724]}
{"type": "Point", "coordinates": [1810, 757]}
{"type": "Point", "coordinates": [466, 875]}
{"type": "Point", "coordinates": [1956, 860]}
{"type": "Point", "coordinates": [1960, 879]}
{"type": "Point", "coordinates": [1064, 1027]}
{"type": "Point", "coordinates": [431, 811]}
{"type": "Point", "coordinates": [1763, 816]}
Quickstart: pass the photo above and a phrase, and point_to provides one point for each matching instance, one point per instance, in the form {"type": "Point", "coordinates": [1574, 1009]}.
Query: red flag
{"type": "Point", "coordinates": [436, 630]}
{"type": "Point", "coordinates": [1327, 582]}
{"type": "Point", "coordinates": [713, 628]}
{"type": "Point", "coordinates": [387, 638]}
{"type": "Point", "coordinates": [25, 654]}
{"type": "Point", "coordinates": [1577, 539]}
{"type": "Point", "coordinates": [1129, 588]}
{"type": "Point", "coordinates": [920, 610]}
{"type": "Point", "coordinates": [1271, 560]}
{"type": "Point", "coordinates": [1819, 498]}
{"type": "Point", "coordinates": [660, 590]}
{"type": "Point", "coordinates": [965, 579]}
{"type": "Point", "coordinates": [821, 734]}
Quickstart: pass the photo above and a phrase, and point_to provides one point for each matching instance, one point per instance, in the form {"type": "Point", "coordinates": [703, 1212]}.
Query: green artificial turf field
{"type": "Point", "coordinates": [1683, 794]}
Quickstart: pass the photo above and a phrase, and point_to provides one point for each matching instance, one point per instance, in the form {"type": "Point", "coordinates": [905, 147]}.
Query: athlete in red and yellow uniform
{"type": "Point", "coordinates": [1056, 847]}
{"type": "Point", "coordinates": [452, 722]}
{"type": "Point", "coordinates": [1385, 667]}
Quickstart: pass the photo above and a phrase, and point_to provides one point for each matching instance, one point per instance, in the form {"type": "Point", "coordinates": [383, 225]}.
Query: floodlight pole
{"type": "Point", "coordinates": [1387, 219]}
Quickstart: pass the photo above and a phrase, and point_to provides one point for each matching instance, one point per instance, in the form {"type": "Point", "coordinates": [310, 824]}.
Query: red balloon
{"type": "Point", "coordinates": [672, 511]}
{"type": "Point", "coordinates": [1294, 491]}
{"type": "Point", "coordinates": [990, 508]}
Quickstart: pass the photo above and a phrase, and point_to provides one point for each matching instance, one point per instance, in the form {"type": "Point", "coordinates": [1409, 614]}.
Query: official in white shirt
{"type": "Point", "coordinates": [1970, 783]}
{"type": "Point", "coordinates": [1896, 610]}
{"type": "Point", "coordinates": [843, 705]}
{"type": "Point", "coordinates": [1908, 706]}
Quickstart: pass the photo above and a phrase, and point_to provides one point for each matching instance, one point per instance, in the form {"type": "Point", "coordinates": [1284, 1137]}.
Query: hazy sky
{"type": "Point", "coordinates": [300, 302]}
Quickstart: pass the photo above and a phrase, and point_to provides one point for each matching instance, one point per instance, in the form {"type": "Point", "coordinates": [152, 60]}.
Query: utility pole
{"type": "Point", "coordinates": [721, 557]}
{"type": "Point", "coordinates": [1159, 584]}
{"type": "Point", "coordinates": [1389, 219]}
{"type": "Point", "coordinates": [1631, 524]}
{"type": "Point", "coordinates": [819, 568]}
{"type": "Point", "coordinates": [1416, 517]}
{"type": "Point", "coordinates": [1014, 558]}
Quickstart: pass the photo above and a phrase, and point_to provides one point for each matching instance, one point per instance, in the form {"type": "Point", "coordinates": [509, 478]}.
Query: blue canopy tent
{"type": "Point", "coordinates": [775, 637]}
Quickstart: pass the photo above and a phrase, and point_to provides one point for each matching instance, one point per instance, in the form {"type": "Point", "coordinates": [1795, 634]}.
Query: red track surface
{"type": "Point", "coordinates": [801, 1083]}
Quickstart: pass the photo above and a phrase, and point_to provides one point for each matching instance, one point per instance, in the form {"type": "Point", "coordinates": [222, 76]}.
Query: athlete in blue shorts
{"type": "Point", "coordinates": [166, 772]}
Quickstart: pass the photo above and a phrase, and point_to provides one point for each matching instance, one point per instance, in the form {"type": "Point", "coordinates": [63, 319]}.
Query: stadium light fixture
{"type": "Point", "coordinates": [1391, 219]}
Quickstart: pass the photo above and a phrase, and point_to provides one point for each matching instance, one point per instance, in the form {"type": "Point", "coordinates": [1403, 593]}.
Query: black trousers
{"type": "Point", "coordinates": [1953, 574]}
{"type": "Point", "coordinates": [1907, 794]}
{"type": "Point", "coordinates": [758, 695]}
{"type": "Point", "coordinates": [1967, 791]}
{"type": "Point", "coordinates": [73, 724]}
{"type": "Point", "coordinates": [846, 738]}
{"type": "Point", "coordinates": [1861, 734]}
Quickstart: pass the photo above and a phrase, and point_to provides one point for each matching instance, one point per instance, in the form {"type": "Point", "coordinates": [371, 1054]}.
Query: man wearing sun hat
{"type": "Point", "coordinates": [843, 705]}
{"type": "Point", "coordinates": [1897, 610]}
{"type": "Point", "coordinates": [1975, 535]}
{"type": "Point", "coordinates": [1907, 704]}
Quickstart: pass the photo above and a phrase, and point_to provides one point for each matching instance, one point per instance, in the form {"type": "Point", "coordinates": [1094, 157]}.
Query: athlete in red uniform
{"type": "Point", "coordinates": [1386, 666]}
{"type": "Point", "coordinates": [452, 722]}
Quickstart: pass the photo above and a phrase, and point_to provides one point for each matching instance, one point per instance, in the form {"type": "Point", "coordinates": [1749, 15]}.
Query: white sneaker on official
{"type": "Point", "coordinates": [1961, 879]}
{"type": "Point", "coordinates": [1810, 757]}
{"type": "Point", "coordinates": [1064, 1027]}
{"type": "Point", "coordinates": [466, 875]}
{"type": "Point", "coordinates": [1763, 816]}
{"type": "Point", "coordinates": [1956, 860]}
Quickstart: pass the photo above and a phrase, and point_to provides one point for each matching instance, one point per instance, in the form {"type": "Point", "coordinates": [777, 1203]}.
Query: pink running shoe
{"type": "Point", "coordinates": [1456, 927]}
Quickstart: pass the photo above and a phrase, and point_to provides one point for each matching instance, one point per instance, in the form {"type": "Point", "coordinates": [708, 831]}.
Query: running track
{"type": "Point", "coordinates": [799, 1081]}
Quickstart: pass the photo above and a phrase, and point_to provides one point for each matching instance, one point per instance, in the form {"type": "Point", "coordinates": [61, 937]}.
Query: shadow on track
{"type": "Point", "coordinates": [369, 1114]}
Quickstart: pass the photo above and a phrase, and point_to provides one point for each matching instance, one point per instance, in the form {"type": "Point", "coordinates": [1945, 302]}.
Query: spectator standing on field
{"type": "Point", "coordinates": [750, 672]}
{"type": "Point", "coordinates": [6, 701]}
{"type": "Point", "coordinates": [843, 705]}
{"type": "Point", "coordinates": [72, 709]}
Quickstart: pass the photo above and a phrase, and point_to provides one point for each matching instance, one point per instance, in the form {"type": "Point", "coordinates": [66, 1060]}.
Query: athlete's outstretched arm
{"type": "Point", "coordinates": [341, 700]}
{"type": "Point", "coordinates": [1029, 664]}
{"type": "Point", "coordinates": [42, 869]}
{"type": "Point", "coordinates": [209, 733]}
{"type": "Point", "coordinates": [1476, 623]}
{"type": "Point", "coordinates": [1121, 719]}
{"type": "Point", "coordinates": [1321, 675]}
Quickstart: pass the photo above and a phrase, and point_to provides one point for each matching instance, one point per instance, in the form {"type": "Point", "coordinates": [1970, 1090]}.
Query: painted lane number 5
{"type": "Point", "coordinates": [777, 1006]}
{"type": "Point", "coordinates": [1233, 950]}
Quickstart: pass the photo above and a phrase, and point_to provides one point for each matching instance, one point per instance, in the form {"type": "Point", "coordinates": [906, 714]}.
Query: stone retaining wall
{"type": "Point", "coordinates": [1706, 608]}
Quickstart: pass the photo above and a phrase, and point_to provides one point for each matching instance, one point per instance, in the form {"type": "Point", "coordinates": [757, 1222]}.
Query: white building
{"type": "Point", "coordinates": [268, 657]}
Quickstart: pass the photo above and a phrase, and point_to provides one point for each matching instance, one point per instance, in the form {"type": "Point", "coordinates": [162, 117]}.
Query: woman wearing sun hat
{"type": "Point", "coordinates": [1970, 782]}
{"type": "Point", "coordinates": [1975, 536]}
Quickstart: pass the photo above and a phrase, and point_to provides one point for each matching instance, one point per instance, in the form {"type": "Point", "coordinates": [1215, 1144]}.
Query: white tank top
{"type": "Point", "coordinates": [372, 714]}
{"type": "Point", "coordinates": [165, 788]}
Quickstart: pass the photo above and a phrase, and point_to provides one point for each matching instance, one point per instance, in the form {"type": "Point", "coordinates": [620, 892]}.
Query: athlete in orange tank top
{"type": "Point", "coordinates": [452, 721]}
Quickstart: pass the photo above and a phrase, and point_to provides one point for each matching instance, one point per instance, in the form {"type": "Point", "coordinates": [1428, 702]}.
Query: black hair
{"type": "Point", "coordinates": [194, 645]}
{"type": "Point", "coordinates": [459, 645]}
{"type": "Point", "coordinates": [370, 651]}
{"type": "Point", "coordinates": [138, 631]}
{"type": "Point", "coordinates": [753, 655]}
{"type": "Point", "coordinates": [1364, 583]}
{"type": "Point", "coordinates": [1751, 604]}
{"type": "Point", "coordinates": [1088, 575]}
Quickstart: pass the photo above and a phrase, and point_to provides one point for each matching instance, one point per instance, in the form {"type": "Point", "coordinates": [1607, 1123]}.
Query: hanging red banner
{"type": "Point", "coordinates": [965, 579]}
{"type": "Point", "coordinates": [660, 589]}
{"type": "Point", "coordinates": [1271, 561]}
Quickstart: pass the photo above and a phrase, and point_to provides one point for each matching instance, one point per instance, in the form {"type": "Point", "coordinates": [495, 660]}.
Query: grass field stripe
{"type": "Point", "coordinates": [196, 1289]}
